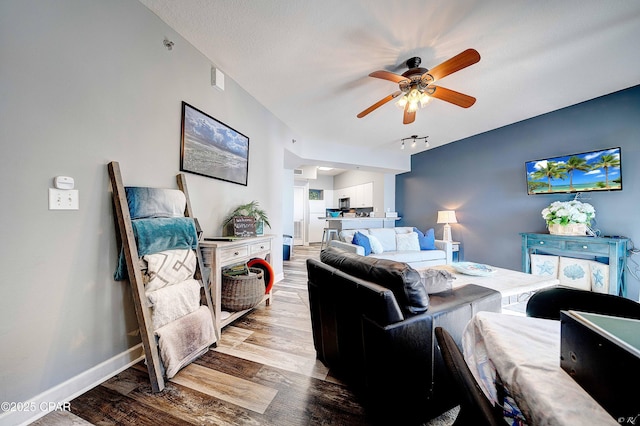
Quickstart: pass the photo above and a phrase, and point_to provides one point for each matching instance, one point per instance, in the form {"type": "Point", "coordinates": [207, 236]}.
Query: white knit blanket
{"type": "Point", "coordinates": [172, 302]}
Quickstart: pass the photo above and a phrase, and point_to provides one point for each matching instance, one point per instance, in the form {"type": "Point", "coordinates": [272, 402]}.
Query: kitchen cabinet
{"type": "Point", "coordinates": [343, 193]}
{"type": "Point", "coordinates": [364, 196]}
{"type": "Point", "coordinates": [359, 195]}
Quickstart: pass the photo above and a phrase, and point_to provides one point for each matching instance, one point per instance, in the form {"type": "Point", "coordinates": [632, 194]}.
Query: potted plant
{"type": "Point", "coordinates": [251, 209]}
{"type": "Point", "coordinates": [568, 217]}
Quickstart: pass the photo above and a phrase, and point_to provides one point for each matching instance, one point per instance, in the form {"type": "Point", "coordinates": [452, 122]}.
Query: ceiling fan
{"type": "Point", "coordinates": [416, 85]}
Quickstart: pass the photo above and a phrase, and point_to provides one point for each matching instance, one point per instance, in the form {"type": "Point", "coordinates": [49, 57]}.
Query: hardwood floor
{"type": "Point", "coordinates": [263, 372]}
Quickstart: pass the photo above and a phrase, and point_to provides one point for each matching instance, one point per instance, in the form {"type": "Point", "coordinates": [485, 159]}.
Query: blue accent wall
{"type": "Point", "coordinates": [483, 179]}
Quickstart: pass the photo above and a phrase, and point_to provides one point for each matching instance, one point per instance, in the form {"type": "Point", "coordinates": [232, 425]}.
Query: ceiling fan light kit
{"type": "Point", "coordinates": [415, 85]}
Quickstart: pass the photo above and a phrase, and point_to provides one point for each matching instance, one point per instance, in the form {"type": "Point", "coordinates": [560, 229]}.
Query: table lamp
{"type": "Point", "coordinates": [447, 217]}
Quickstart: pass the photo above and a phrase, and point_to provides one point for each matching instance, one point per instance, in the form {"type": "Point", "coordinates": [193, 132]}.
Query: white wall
{"type": "Point", "coordinates": [324, 182]}
{"type": "Point", "coordinates": [84, 82]}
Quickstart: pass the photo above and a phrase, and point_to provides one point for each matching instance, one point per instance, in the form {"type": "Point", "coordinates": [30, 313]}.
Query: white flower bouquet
{"type": "Point", "coordinates": [567, 212]}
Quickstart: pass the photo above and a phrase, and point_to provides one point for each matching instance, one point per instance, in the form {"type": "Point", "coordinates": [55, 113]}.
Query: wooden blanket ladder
{"type": "Point", "coordinates": [127, 240]}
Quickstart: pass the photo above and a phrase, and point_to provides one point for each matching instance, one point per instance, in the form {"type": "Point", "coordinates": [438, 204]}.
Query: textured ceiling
{"type": "Point", "coordinates": [308, 61]}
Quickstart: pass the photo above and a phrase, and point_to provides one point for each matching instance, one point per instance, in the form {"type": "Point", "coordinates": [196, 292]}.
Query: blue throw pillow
{"type": "Point", "coordinates": [360, 239]}
{"type": "Point", "coordinates": [427, 240]}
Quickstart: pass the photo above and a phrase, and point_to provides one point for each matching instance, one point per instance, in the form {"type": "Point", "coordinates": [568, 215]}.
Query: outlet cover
{"type": "Point", "coordinates": [63, 199]}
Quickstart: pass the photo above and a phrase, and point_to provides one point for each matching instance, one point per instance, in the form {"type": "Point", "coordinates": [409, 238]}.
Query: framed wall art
{"type": "Point", "coordinates": [210, 148]}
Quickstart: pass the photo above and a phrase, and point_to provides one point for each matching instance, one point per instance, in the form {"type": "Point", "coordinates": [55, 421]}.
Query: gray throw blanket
{"type": "Point", "coordinates": [183, 340]}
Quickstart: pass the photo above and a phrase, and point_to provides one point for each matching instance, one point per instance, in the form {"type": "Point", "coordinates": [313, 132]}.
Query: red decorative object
{"type": "Point", "coordinates": [267, 270]}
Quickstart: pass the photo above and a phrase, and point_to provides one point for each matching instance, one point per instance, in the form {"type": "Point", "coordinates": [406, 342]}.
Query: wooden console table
{"type": "Point", "coordinates": [614, 250]}
{"type": "Point", "coordinates": [219, 254]}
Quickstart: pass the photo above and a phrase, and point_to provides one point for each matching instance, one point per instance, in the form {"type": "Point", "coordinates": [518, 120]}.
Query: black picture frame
{"type": "Point", "coordinates": [210, 148]}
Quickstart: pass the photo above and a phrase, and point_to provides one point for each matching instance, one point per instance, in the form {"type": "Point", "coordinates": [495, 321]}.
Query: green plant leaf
{"type": "Point", "coordinates": [250, 209]}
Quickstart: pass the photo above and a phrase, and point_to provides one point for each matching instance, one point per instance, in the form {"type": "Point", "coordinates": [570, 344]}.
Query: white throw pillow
{"type": "Point", "coordinates": [544, 265]}
{"type": "Point", "coordinates": [386, 236]}
{"type": "Point", "coordinates": [407, 242]}
{"type": "Point", "coordinates": [169, 267]}
{"type": "Point", "coordinates": [575, 273]}
{"type": "Point", "coordinates": [376, 245]}
{"type": "Point", "coordinates": [599, 277]}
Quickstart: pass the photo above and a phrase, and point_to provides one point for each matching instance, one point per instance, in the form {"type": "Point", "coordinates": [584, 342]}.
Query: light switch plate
{"type": "Point", "coordinates": [63, 199]}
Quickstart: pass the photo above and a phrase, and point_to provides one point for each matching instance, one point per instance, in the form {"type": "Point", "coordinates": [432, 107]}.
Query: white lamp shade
{"type": "Point", "coordinates": [447, 216]}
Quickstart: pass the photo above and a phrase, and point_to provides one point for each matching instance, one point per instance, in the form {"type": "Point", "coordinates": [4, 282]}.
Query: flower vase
{"type": "Point", "coordinates": [569, 229]}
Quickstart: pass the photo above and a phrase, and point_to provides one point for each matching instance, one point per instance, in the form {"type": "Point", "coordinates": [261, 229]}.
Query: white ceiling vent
{"type": "Point", "coordinates": [298, 171]}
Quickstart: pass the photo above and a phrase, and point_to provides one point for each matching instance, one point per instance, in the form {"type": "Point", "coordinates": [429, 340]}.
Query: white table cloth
{"type": "Point", "coordinates": [525, 352]}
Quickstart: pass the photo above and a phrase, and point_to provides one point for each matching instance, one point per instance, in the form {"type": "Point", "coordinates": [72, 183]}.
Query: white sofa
{"type": "Point", "coordinates": [442, 255]}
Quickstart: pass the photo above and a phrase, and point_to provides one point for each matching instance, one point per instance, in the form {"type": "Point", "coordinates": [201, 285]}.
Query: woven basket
{"type": "Point", "coordinates": [242, 292]}
{"type": "Point", "coordinates": [570, 229]}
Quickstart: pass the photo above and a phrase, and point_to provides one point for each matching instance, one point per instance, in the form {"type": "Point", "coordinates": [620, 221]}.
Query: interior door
{"type": "Point", "coordinates": [299, 201]}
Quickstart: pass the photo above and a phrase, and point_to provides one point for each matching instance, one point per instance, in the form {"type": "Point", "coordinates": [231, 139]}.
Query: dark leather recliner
{"type": "Point", "coordinates": [373, 325]}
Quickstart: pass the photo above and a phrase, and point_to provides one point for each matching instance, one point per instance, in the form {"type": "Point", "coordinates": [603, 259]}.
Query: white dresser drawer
{"type": "Point", "coordinates": [260, 247]}
{"type": "Point", "coordinates": [233, 253]}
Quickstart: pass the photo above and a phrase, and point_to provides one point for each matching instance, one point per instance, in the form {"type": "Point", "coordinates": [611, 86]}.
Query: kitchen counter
{"type": "Point", "coordinates": [341, 223]}
{"type": "Point", "coordinates": [359, 218]}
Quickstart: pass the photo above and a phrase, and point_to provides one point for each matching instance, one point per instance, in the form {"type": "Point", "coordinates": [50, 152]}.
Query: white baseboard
{"type": "Point", "coordinates": [279, 277]}
{"type": "Point", "coordinates": [42, 404]}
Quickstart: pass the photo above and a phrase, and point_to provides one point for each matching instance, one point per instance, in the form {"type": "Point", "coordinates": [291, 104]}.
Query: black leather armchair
{"type": "Point", "coordinates": [373, 325]}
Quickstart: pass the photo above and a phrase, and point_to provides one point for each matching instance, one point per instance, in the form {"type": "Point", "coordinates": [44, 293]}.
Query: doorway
{"type": "Point", "coordinates": [299, 203]}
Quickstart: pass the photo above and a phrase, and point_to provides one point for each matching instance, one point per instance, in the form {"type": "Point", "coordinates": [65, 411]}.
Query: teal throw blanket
{"type": "Point", "coordinates": [159, 234]}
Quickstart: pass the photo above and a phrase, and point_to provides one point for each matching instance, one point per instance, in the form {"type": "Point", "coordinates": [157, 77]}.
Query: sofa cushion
{"type": "Point", "coordinates": [411, 256]}
{"type": "Point", "coordinates": [403, 229]}
{"type": "Point", "coordinates": [362, 240]}
{"type": "Point", "coordinates": [400, 278]}
{"type": "Point", "coordinates": [407, 242]}
{"type": "Point", "coordinates": [346, 235]}
{"type": "Point", "coordinates": [427, 240]}
{"type": "Point", "coordinates": [376, 245]}
{"type": "Point", "coordinates": [386, 236]}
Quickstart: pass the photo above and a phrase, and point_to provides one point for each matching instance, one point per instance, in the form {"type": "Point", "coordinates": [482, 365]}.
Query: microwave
{"type": "Point", "coordinates": [344, 203]}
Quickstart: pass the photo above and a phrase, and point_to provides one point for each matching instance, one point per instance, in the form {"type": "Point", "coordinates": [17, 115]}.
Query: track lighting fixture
{"type": "Point", "coordinates": [414, 139]}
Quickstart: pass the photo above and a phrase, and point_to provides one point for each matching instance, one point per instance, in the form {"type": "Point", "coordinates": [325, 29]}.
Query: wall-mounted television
{"type": "Point", "coordinates": [584, 172]}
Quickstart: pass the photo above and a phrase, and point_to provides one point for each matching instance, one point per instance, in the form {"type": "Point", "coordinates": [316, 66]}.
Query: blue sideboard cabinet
{"type": "Point", "coordinates": [612, 251]}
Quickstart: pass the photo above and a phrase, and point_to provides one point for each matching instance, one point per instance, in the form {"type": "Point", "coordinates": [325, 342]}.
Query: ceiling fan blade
{"type": "Point", "coordinates": [451, 96]}
{"type": "Point", "coordinates": [409, 116]}
{"type": "Point", "coordinates": [458, 62]}
{"type": "Point", "coordinates": [379, 103]}
{"type": "Point", "coordinates": [386, 75]}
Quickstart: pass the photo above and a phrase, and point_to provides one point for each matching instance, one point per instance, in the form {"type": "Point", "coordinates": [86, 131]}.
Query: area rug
{"type": "Point", "coordinates": [445, 419]}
